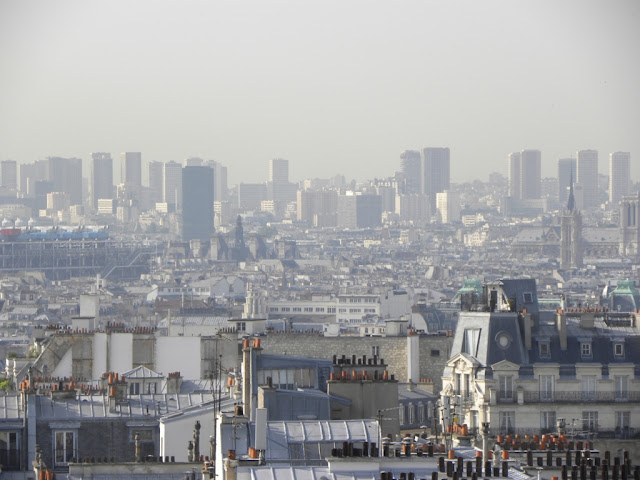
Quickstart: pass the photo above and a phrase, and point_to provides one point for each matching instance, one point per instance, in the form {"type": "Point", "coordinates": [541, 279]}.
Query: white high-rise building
{"type": "Point", "coordinates": [9, 174]}
{"type": "Point", "coordinates": [172, 185]}
{"type": "Point", "coordinates": [101, 177]}
{"type": "Point", "coordinates": [448, 206]}
{"type": "Point", "coordinates": [619, 176]}
{"type": "Point", "coordinates": [587, 171]}
{"type": "Point", "coordinates": [435, 172]}
{"type": "Point", "coordinates": [156, 174]}
{"type": "Point", "coordinates": [410, 167]}
{"type": "Point", "coordinates": [279, 170]}
{"type": "Point", "coordinates": [530, 174]}
{"type": "Point", "coordinates": [131, 169]}
{"type": "Point", "coordinates": [514, 175]}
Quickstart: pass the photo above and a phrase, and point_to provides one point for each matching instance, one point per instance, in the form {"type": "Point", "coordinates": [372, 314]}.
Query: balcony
{"type": "Point", "coordinates": [580, 397]}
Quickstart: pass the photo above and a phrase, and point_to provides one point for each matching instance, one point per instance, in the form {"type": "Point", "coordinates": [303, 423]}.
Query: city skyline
{"type": "Point", "coordinates": [266, 85]}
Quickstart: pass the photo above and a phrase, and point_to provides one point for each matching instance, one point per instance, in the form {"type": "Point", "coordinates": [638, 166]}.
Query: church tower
{"type": "Point", "coordinates": [571, 255]}
{"type": "Point", "coordinates": [630, 226]}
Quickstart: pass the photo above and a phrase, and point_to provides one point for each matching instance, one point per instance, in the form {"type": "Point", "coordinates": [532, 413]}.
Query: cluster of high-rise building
{"type": "Point", "coordinates": [525, 180]}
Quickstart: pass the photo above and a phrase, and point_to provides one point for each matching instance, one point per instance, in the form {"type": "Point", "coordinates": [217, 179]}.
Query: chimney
{"type": "Point", "coordinates": [561, 324]}
{"type": "Point", "coordinates": [117, 390]}
{"type": "Point", "coordinates": [251, 349]}
{"type": "Point", "coordinates": [528, 326]}
{"type": "Point", "coordinates": [230, 467]}
{"type": "Point", "coordinates": [174, 382]}
{"type": "Point", "coordinates": [587, 319]}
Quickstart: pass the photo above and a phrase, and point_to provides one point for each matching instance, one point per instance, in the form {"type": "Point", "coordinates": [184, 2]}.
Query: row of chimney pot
{"type": "Point", "coordinates": [355, 376]}
{"type": "Point", "coordinates": [251, 342]}
{"type": "Point", "coordinates": [357, 361]}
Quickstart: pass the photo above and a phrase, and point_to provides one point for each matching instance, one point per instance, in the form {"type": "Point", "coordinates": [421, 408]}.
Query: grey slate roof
{"type": "Point", "coordinates": [97, 406]}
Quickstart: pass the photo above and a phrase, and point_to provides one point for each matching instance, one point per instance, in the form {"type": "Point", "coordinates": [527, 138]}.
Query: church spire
{"type": "Point", "coordinates": [571, 203]}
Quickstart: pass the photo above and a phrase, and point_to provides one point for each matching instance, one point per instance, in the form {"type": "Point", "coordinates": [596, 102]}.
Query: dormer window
{"type": "Point", "coordinates": [470, 341]}
{"type": "Point", "coordinates": [585, 350]}
{"type": "Point", "coordinates": [527, 297]}
{"type": "Point", "coordinates": [544, 349]}
{"type": "Point", "coordinates": [618, 349]}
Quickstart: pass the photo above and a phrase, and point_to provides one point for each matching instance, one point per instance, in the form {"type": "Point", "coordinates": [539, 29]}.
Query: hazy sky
{"type": "Point", "coordinates": [333, 86]}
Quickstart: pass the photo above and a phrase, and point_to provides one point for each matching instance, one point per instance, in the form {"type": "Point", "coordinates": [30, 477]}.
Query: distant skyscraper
{"type": "Point", "coordinates": [197, 203]}
{"type": "Point", "coordinates": [131, 168]}
{"type": "Point", "coordinates": [279, 170]}
{"type": "Point", "coordinates": [156, 174]}
{"type": "Point", "coordinates": [251, 195]}
{"type": "Point", "coordinates": [619, 176]}
{"type": "Point", "coordinates": [65, 174]}
{"type": "Point", "coordinates": [566, 175]}
{"type": "Point", "coordinates": [530, 174]}
{"type": "Point", "coordinates": [172, 185]}
{"type": "Point", "coordinates": [9, 174]}
{"type": "Point", "coordinates": [193, 162]}
{"type": "Point", "coordinates": [30, 173]}
{"type": "Point", "coordinates": [318, 207]}
{"type": "Point", "coordinates": [219, 180]}
{"type": "Point", "coordinates": [411, 167]}
{"type": "Point", "coordinates": [359, 211]}
{"type": "Point", "coordinates": [587, 170]}
{"type": "Point", "coordinates": [101, 177]}
{"type": "Point", "coordinates": [514, 175]}
{"type": "Point", "coordinates": [435, 172]}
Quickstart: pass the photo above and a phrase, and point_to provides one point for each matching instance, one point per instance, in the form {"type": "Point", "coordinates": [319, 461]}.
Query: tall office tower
{"type": "Point", "coordinates": [221, 191]}
{"type": "Point", "coordinates": [410, 168]}
{"type": "Point", "coordinates": [193, 162]}
{"type": "Point", "coordinates": [587, 171]}
{"type": "Point", "coordinates": [101, 177]}
{"type": "Point", "coordinates": [65, 175]}
{"type": "Point", "coordinates": [172, 185]}
{"type": "Point", "coordinates": [514, 175]}
{"type": "Point", "coordinates": [31, 173]}
{"type": "Point", "coordinates": [359, 211]}
{"type": "Point", "coordinates": [566, 176]}
{"type": "Point", "coordinates": [530, 174]}
{"type": "Point", "coordinates": [251, 195]}
{"type": "Point", "coordinates": [197, 203]}
{"type": "Point", "coordinates": [279, 189]}
{"type": "Point", "coordinates": [318, 207]}
{"type": "Point", "coordinates": [279, 170]}
{"type": "Point", "coordinates": [9, 174]}
{"type": "Point", "coordinates": [156, 174]}
{"type": "Point", "coordinates": [131, 168]}
{"type": "Point", "coordinates": [619, 176]}
{"type": "Point", "coordinates": [435, 172]}
{"type": "Point", "coordinates": [219, 180]}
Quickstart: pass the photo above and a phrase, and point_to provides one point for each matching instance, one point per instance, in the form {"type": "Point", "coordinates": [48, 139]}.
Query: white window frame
{"type": "Point", "coordinates": [590, 421]}
{"type": "Point", "coordinates": [508, 422]}
{"type": "Point", "coordinates": [505, 387]}
{"type": "Point", "coordinates": [547, 387]}
{"type": "Point", "coordinates": [548, 421]}
{"type": "Point", "coordinates": [66, 456]}
{"type": "Point", "coordinates": [621, 386]}
{"type": "Point", "coordinates": [589, 387]}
